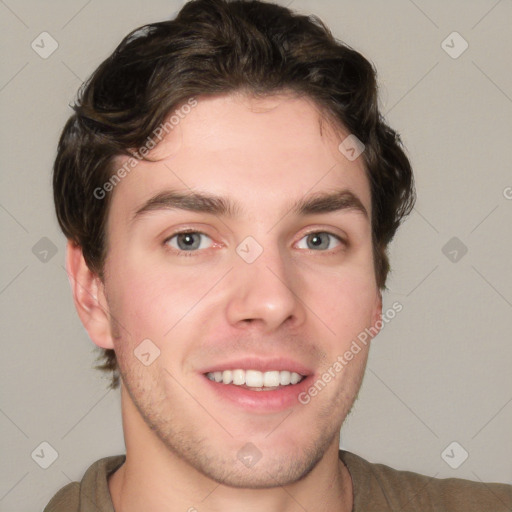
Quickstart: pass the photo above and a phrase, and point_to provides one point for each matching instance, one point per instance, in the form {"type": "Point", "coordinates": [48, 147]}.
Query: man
{"type": "Point", "coordinates": [228, 189]}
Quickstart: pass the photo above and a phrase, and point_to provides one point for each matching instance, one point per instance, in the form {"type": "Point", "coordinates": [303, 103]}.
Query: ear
{"type": "Point", "coordinates": [89, 297]}
{"type": "Point", "coordinates": [377, 313]}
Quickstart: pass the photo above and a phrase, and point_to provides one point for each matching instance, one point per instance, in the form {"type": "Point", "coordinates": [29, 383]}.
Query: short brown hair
{"type": "Point", "coordinates": [212, 47]}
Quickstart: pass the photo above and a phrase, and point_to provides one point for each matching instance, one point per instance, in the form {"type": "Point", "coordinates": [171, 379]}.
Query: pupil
{"type": "Point", "coordinates": [316, 240]}
{"type": "Point", "coordinates": [186, 240]}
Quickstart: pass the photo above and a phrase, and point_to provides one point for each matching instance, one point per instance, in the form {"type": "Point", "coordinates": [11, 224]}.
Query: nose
{"type": "Point", "coordinates": [264, 293]}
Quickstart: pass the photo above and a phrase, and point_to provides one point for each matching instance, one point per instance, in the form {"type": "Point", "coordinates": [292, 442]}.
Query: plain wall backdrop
{"type": "Point", "coordinates": [439, 372]}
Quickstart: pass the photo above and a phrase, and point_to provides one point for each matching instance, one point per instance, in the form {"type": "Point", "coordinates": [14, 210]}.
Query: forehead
{"type": "Point", "coordinates": [262, 152]}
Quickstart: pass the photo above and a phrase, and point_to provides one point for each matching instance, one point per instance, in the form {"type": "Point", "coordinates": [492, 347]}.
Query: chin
{"type": "Point", "coordinates": [251, 468]}
{"type": "Point", "coordinates": [264, 474]}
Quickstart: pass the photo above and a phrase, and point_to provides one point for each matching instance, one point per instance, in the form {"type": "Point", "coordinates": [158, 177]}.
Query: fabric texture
{"type": "Point", "coordinates": [377, 488]}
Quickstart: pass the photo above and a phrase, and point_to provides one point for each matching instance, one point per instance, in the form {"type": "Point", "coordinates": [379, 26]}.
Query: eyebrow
{"type": "Point", "coordinates": [322, 202]}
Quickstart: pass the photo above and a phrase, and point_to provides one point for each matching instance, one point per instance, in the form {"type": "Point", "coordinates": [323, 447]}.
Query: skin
{"type": "Point", "coordinates": [210, 305]}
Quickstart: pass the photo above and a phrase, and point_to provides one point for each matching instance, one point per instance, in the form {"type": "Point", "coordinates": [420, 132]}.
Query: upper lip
{"type": "Point", "coordinates": [260, 364]}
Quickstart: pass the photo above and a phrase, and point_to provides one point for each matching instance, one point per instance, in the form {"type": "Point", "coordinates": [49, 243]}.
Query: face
{"type": "Point", "coordinates": [242, 296]}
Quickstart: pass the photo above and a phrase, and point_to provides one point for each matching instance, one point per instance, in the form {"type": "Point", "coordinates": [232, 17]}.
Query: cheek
{"type": "Point", "coordinates": [151, 299]}
{"type": "Point", "coordinates": [146, 306]}
{"type": "Point", "coordinates": [133, 299]}
{"type": "Point", "coordinates": [344, 301]}
{"type": "Point", "coordinates": [150, 296]}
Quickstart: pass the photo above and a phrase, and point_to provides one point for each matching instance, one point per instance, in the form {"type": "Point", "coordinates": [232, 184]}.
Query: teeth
{"type": "Point", "coordinates": [295, 378]}
{"type": "Point", "coordinates": [238, 377]}
{"type": "Point", "coordinates": [285, 378]}
{"type": "Point", "coordinates": [255, 378]}
{"type": "Point", "coordinates": [271, 379]}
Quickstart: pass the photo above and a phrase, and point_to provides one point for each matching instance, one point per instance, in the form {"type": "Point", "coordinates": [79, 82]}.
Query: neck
{"type": "Point", "coordinates": [154, 478]}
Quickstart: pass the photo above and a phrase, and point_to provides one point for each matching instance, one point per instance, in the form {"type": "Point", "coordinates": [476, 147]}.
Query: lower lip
{"type": "Point", "coordinates": [276, 400]}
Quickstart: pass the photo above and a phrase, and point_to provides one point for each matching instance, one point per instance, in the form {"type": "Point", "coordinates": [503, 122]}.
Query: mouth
{"type": "Point", "coordinates": [256, 385]}
{"type": "Point", "coordinates": [256, 380]}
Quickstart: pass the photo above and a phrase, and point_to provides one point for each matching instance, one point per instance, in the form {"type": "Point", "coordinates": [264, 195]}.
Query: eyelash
{"type": "Point", "coordinates": [198, 251]}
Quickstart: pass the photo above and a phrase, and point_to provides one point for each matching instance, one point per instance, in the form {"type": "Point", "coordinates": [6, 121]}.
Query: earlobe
{"type": "Point", "coordinates": [89, 297]}
{"type": "Point", "coordinates": [377, 314]}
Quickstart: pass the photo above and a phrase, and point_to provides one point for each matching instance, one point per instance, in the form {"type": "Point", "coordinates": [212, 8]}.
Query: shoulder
{"type": "Point", "coordinates": [380, 487]}
{"type": "Point", "coordinates": [94, 485]}
{"type": "Point", "coordinates": [66, 499]}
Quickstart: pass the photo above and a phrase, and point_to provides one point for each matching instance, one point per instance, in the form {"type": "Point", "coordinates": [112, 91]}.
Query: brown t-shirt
{"type": "Point", "coordinates": [377, 488]}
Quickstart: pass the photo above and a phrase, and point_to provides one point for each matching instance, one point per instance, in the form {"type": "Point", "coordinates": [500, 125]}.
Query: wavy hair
{"type": "Point", "coordinates": [212, 47]}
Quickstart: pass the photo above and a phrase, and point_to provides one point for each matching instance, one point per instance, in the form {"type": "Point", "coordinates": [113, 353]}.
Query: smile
{"type": "Point", "coordinates": [256, 380]}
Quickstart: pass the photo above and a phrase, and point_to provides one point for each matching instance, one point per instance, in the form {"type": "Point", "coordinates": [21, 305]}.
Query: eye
{"type": "Point", "coordinates": [320, 240]}
{"type": "Point", "coordinates": [188, 241]}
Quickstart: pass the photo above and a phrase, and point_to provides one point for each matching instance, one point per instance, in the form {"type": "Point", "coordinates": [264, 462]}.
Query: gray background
{"type": "Point", "coordinates": [438, 373]}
